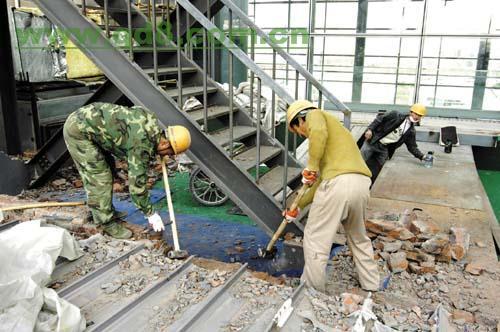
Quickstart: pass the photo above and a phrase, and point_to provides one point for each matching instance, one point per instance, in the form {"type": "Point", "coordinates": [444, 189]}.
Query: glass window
{"type": "Point", "coordinates": [341, 15]}
{"type": "Point", "coordinates": [381, 46]}
{"type": "Point", "coordinates": [492, 99]}
{"type": "Point", "coordinates": [378, 12]}
{"type": "Point", "coordinates": [271, 15]}
{"type": "Point", "coordinates": [340, 45]}
{"type": "Point", "coordinates": [378, 93]}
{"type": "Point", "coordinates": [404, 94]}
{"type": "Point", "coordinates": [299, 17]}
{"type": "Point", "coordinates": [453, 97]}
{"type": "Point", "coordinates": [341, 90]}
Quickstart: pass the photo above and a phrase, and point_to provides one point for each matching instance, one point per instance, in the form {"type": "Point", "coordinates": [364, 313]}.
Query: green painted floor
{"type": "Point", "coordinates": [491, 183]}
{"type": "Point", "coordinates": [185, 204]}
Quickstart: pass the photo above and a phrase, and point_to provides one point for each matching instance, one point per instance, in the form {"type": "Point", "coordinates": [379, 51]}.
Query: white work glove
{"type": "Point", "coordinates": [156, 222]}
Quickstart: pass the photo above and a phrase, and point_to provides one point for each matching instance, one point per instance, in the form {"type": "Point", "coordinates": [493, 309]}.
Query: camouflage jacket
{"type": "Point", "coordinates": [130, 134]}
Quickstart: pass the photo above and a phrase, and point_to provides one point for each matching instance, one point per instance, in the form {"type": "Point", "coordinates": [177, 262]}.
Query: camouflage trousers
{"type": "Point", "coordinates": [94, 170]}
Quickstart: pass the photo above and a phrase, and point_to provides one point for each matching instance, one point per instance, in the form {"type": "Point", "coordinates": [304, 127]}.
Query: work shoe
{"type": "Point", "coordinates": [116, 230]}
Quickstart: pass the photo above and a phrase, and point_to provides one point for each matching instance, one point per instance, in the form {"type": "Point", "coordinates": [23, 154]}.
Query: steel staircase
{"type": "Point", "coordinates": [214, 127]}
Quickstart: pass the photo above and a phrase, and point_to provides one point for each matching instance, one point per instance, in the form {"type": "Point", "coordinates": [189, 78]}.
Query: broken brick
{"type": "Point", "coordinates": [384, 255]}
{"type": "Point", "coordinates": [462, 315]}
{"type": "Point", "coordinates": [474, 269]}
{"type": "Point", "coordinates": [350, 303]}
{"type": "Point", "coordinates": [402, 234]}
{"type": "Point", "coordinates": [445, 255]}
{"type": "Point", "coordinates": [435, 244]}
{"type": "Point", "coordinates": [391, 246]}
{"type": "Point", "coordinates": [417, 255]}
{"type": "Point", "coordinates": [379, 226]}
{"type": "Point", "coordinates": [423, 268]}
{"type": "Point", "coordinates": [420, 226]}
{"type": "Point", "coordinates": [378, 245]}
{"type": "Point", "coordinates": [459, 240]}
{"type": "Point", "coordinates": [78, 183]}
{"type": "Point", "coordinates": [398, 262]}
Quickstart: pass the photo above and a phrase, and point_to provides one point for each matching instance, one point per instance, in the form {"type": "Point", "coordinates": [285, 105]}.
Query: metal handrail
{"type": "Point", "coordinates": [236, 51]}
{"type": "Point", "coordinates": [291, 61]}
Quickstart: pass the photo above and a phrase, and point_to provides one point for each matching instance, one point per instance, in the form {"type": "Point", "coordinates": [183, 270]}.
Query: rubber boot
{"type": "Point", "coordinates": [116, 230]}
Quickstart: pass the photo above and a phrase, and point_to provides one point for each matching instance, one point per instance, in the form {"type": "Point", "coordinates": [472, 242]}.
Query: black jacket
{"type": "Point", "coordinates": [386, 123]}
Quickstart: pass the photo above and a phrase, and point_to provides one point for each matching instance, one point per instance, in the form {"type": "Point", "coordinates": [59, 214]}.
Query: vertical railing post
{"type": "Point", "coordinates": [257, 162]}
{"type": "Point", "coordinates": [155, 50]}
{"type": "Point", "coordinates": [230, 62]}
{"type": "Point", "coordinates": [179, 65]}
{"type": "Point", "coordinates": [205, 96]}
{"type": "Point", "coordinates": [273, 99]}
{"type": "Point", "coordinates": [320, 99]}
{"type": "Point", "coordinates": [252, 74]}
{"type": "Point", "coordinates": [209, 71]}
{"type": "Point", "coordinates": [130, 32]}
{"type": "Point", "coordinates": [84, 7]}
{"type": "Point", "coordinates": [296, 98]}
{"type": "Point", "coordinates": [285, 171]}
{"type": "Point", "coordinates": [106, 18]}
{"type": "Point", "coordinates": [168, 16]}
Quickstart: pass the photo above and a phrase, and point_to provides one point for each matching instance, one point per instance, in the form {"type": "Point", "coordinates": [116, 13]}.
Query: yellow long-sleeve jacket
{"type": "Point", "coordinates": [332, 151]}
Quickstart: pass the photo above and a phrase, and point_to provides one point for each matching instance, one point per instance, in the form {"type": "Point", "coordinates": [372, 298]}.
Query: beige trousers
{"type": "Point", "coordinates": [341, 199]}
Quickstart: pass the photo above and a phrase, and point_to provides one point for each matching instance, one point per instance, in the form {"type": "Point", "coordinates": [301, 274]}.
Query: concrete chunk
{"type": "Point", "coordinates": [420, 226]}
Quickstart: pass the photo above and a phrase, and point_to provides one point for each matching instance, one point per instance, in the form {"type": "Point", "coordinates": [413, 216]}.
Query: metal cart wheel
{"type": "Point", "coordinates": [204, 190]}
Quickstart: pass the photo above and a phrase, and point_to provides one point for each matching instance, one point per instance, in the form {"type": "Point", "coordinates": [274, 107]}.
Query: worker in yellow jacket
{"type": "Point", "coordinates": [340, 189]}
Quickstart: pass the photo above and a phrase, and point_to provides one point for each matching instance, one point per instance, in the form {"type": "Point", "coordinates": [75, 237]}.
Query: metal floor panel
{"type": "Point", "coordinates": [135, 315]}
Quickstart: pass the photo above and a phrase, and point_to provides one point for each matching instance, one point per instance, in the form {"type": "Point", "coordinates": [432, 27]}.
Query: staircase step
{"type": "Point", "coordinates": [246, 160]}
{"type": "Point", "coordinates": [221, 137]}
{"type": "Point", "coordinates": [170, 70]}
{"type": "Point", "coordinates": [190, 91]}
{"type": "Point", "coordinates": [272, 181]}
{"type": "Point", "coordinates": [212, 112]}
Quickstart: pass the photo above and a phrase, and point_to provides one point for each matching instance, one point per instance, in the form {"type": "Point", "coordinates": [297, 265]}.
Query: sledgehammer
{"type": "Point", "coordinates": [270, 250]}
{"type": "Point", "coordinates": [177, 253]}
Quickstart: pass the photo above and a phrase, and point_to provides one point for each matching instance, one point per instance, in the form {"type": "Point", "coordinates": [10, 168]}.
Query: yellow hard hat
{"type": "Point", "coordinates": [418, 109]}
{"type": "Point", "coordinates": [179, 138]}
{"type": "Point", "coordinates": [295, 108]}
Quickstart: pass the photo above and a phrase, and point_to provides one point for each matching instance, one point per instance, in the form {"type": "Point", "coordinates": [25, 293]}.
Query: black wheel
{"type": "Point", "coordinates": [204, 190]}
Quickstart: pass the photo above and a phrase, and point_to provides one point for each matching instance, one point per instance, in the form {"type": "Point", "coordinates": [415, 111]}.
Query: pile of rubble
{"type": "Point", "coordinates": [415, 243]}
{"type": "Point", "coordinates": [427, 276]}
{"type": "Point", "coordinates": [190, 289]}
{"type": "Point", "coordinates": [259, 296]}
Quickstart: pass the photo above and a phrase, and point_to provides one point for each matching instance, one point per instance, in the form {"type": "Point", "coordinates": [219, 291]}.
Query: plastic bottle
{"type": "Point", "coordinates": [429, 159]}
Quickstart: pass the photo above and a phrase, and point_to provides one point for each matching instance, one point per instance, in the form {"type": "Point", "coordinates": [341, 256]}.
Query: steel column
{"type": "Point", "coordinates": [483, 59]}
{"type": "Point", "coordinates": [9, 134]}
{"type": "Point", "coordinates": [359, 55]}
{"type": "Point", "coordinates": [420, 54]}
{"type": "Point", "coordinates": [310, 46]}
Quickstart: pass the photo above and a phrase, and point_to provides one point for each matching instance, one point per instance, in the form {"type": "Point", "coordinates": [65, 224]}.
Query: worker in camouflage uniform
{"type": "Point", "coordinates": [131, 134]}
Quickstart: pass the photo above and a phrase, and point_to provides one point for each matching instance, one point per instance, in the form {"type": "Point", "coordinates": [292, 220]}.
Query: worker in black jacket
{"type": "Point", "coordinates": [387, 133]}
